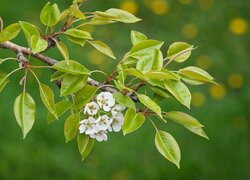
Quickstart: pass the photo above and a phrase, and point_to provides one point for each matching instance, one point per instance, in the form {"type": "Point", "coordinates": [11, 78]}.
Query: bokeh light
{"type": "Point", "coordinates": [238, 26]}
{"type": "Point", "coordinates": [235, 80]}
{"type": "Point", "coordinates": [130, 6]}
{"type": "Point", "coordinates": [217, 92]}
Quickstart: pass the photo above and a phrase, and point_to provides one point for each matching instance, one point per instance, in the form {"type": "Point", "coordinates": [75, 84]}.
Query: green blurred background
{"type": "Point", "coordinates": [219, 28]}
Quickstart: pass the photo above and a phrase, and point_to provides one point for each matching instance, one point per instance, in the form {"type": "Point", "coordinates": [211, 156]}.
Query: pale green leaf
{"type": "Point", "coordinates": [57, 75]}
{"type": "Point", "coordinates": [161, 75]}
{"type": "Point", "coordinates": [103, 48]}
{"type": "Point", "coordinates": [24, 110]}
{"type": "Point", "coordinates": [3, 81]}
{"type": "Point", "coordinates": [70, 67]}
{"type": "Point", "coordinates": [10, 32]}
{"type": "Point", "coordinates": [50, 14]}
{"type": "Point", "coordinates": [85, 145]}
{"type": "Point", "coordinates": [136, 73]}
{"type": "Point", "coordinates": [168, 147]}
{"type": "Point", "coordinates": [38, 44]}
{"type": "Point", "coordinates": [122, 16]}
{"type": "Point", "coordinates": [179, 51]}
{"type": "Point", "coordinates": [75, 11]}
{"type": "Point", "coordinates": [77, 33]}
{"type": "Point", "coordinates": [63, 50]}
{"type": "Point", "coordinates": [29, 30]}
{"type": "Point", "coordinates": [124, 100]}
{"type": "Point", "coordinates": [79, 41]}
{"type": "Point", "coordinates": [137, 37]}
{"type": "Point", "coordinates": [71, 127]}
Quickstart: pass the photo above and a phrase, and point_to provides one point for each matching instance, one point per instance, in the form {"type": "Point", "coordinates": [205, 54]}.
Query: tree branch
{"type": "Point", "coordinates": [50, 61]}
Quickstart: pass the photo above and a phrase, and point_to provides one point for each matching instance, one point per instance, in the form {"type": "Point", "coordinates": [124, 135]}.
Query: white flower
{"type": "Point", "coordinates": [88, 126]}
{"type": "Point", "coordinates": [103, 122]}
{"type": "Point", "coordinates": [117, 109]}
{"type": "Point", "coordinates": [91, 108]}
{"type": "Point", "coordinates": [100, 136]}
{"type": "Point", "coordinates": [105, 101]}
{"type": "Point", "coordinates": [117, 123]}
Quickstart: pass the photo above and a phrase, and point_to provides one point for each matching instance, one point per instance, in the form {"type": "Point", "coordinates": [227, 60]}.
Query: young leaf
{"type": "Point", "coordinates": [75, 40]}
{"type": "Point", "coordinates": [71, 84]}
{"type": "Point", "coordinates": [161, 75]}
{"type": "Point", "coordinates": [70, 67]}
{"type": "Point", "coordinates": [197, 74]}
{"type": "Point", "coordinates": [63, 50]}
{"type": "Point", "coordinates": [50, 14]}
{"type": "Point", "coordinates": [103, 48]}
{"type": "Point", "coordinates": [168, 147]}
{"type": "Point", "coordinates": [84, 96]}
{"type": "Point", "coordinates": [61, 107]}
{"type": "Point", "coordinates": [80, 34]}
{"type": "Point", "coordinates": [187, 121]}
{"type": "Point", "coordinates": [136, 73]}
{"type": "Point", "coordinates": [71, 127]}
{"type": "Point", "coordinates": [47, 96]}
{"type": "Point", "coordinates": [124, 100]}
{"type": "Point", "coordinates": [24, 110]}
{"type": "Point", "coordinates": [121, 74]}
{"type": "Point", "coordinates": [29, 30]}
{"type": "Point", "coordinates": [104, 15]}
{"type": "Point", "coordinates": [57, 75]}
{"type": "Point", "coordinates": [179, 91]}
{"type": "Point", "coordinates": [179, 51]}
{"type": "Point", "coordinates": [161, 92]}
{"type": "Point", "coordinates": [85, 145]}
{"type": "Point", "coordinates": [137, 37]}
{"type": "Point", "coordinates": [191, 81]}
{"type": "Point", "coordinates": [38, 44]}
{"type": "Point", "coordinates": [75, 12]}
{"type": "Point", "coordinates": [149, 103]}
{"type": "Point", "coordinates": [122, 16]}
{"type": "Point", "coordinates": [132, 121]}
{"type": "Point", "coordinates": [10, 32]}
{"type": "Point", "coordinates": [3, 81]}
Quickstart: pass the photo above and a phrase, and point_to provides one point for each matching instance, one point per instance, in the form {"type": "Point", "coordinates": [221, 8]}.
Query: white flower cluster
{"type": "Point", "coordinates": [102, 117]}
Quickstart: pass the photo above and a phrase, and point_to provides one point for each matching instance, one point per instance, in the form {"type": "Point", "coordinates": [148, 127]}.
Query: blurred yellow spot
{"type": "Point", "coordinates": [235, 81]}
{"type": "Point", "coordinates": [240, 122]}
{"type": "Point", "coordinates": [185, 2]}
{"type": "Point", "coordinates": [189, 31]}
{"type": "Point", "coordinates": [238, 26]}
{"type": "Point", "coordinates": [198, 99]}
{"type": "Point", "coordinates": [218, 92]}
{"type": "Point", "coordinates": [204, 62]}
{"type": "Point", "coordinates": [159, 7]}
{"type": "Point", "coordinates": [130, 6]}
{"type": "Point", "coordinates": [96, 57]}
{"type": "Point", "coordinates": [206, 4]}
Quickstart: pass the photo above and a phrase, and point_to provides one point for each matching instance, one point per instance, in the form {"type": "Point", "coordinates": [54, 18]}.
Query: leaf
{"type": "Point", "coordinates": [122, 16]}
{"type": "Point", "coordinates": [38, 44]}
{"type": "Point", "coordinates": [179, 51]}
{"type": "Point", "coordinates": [71, 84]}
{"type": "Point", "coordinates": [70, 67]}
{"type": "Point", "coordinates": [10, 32]}
{"type": "Point", "coordinates": [79, 41]}
{"type": "Point", "coordinates": [179, 91]}
{"type": "Point", "coordinates": [137, 37]}
{"type": "Point", "coordinates": [161, 92]}
{"type": "Point", "coordinates": [149, 103]}
{"type": "Point", "coordinates": [191, 81]}
{"type": "Point", "coordinates": [121, 74]}
{"type": "Point", "coordinates": [168, 147]}
{"type": "Point", "coordinates": [76, 33]}
{"type": "Point", "coordinates": [24, 110]}
{"type": "Point", "coordinates": [63, 50]}
{"type": "Point", "coordinates": [187, 121]}
{"type": "Point", "coordinates": [84, 96]}
{"type": "Point", "coordinates": [161, 75]}
{"type": "Point", "coordinates": [61, 107]}
{"type": "Point", "coordinates": [197, 74]}
{"type": "Point", "coordinates": [29, 30]}
{"type": "Point", "coordinates": [135, 72]}
{"type": "Point", "coordinates": [132, 121]}
{"type": "Point", "coordinates": [74, 9]}
{"type": "Point", "coordinates": [57, 75]}
{"type": "Point", "coordinates": [150, 61]}
{"type": "Point", "coordinates": [103, 48]}
{"type": "Point", "coordinates": [47, 96]}
{"type": "Point", "coordinates": [104, 15]}
{"type": "Point", "coordinates": [124, 100]}
{"type": "Point", "coordinates": [98, 21]}
{"type": "Point", "coordinates": [50, 14]}
{"type": "Point", "coordinates": [85, 145]}
{"type": "Point", "coordinates": [3, 81]}
{"type": "Point", "coordinates": [71, 127]}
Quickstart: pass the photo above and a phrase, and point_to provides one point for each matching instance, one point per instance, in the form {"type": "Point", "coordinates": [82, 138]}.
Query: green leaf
{"type": "Point", "coordinates": [161, 75]}
{"type": "Point", "coordinates": [3, 81]}
{"type": "Point", "coordinates": [168, 147]}
{"type": "Point", "coordinates": [179, 51]}
{"type": "Point", "coordinates": [50, 14]}
{"type": "Point", "coordinates": [2, 60]}
{"type": "Point", "coordinates": [38, 44]}
{"type": "Point", "coordinates": [76, 33]}
{"type": "Point", "coordinates": [149, 103]}
{"type": "Point", "coordinates": [24, 110]}
{"type": "Point", "coordinates": [122, 16]}
{"type": "Point", "coordinates": [71, 84]}
{"type": "Point", "coordinates": [150, 61]}
{"type": "Point", "coordinates": [29, 31]}
{"type": "Point", "coordinates": [85, 145]}
{"type": "Point", "coordinates": [104, 15]}
{"type": "Point", "coordinates": [84, 96]}
{"type": "Point", "coordinates": [124, 100]}
{"type": "Point", "coordinates": [70, 67]}
{"type": "Point", "coordinates": [99, 21]}
{"type": "Point", "coordinates": [187, 121]}
{"type": "Point", "coordinates": [103, 48]}
{"type": "Point", "coordinates": [136, 73]}
{"type": "Point", "coordinates": [191, 81]}
{"type": "Point", "coordinates": [197, 74]}
{"type": "Point", "coordinates": [63, 50]}
{"type": "Point", "coordinates": [47, 96]}
{"type": "Point", "coordinates": [57, 75]}
{"type": "Point", "coordinates": [179, 91]}
{"type": "Point", "coordinates": [137, 37]}
{"type": "Point", "coordinates": [161, 92]}
{"type": "Point", "coordinates": [79, 41]}
{"type": "Point", "coordinates": [71, 127]}
{"type": "Point", "coordinates": [75, 12]}
{"type": "Point", "coordinates": [132, 121]}
{"type": "Point", "coordinates": [121, 74]}
{"type": "Point", "coordinates": [10, 32]}
{"type": "Point", "coordinates": [61, 107]}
